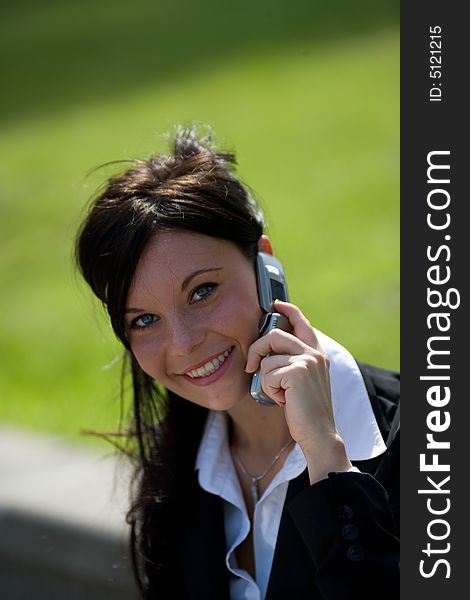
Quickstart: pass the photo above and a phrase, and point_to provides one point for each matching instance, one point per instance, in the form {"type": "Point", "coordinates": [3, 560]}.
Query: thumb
{"type": "Point", "coordinates": [302, 329]}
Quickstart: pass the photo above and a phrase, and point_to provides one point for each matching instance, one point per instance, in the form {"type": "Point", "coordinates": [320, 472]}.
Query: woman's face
{"type": "Point", "coordinates": [192, 313]}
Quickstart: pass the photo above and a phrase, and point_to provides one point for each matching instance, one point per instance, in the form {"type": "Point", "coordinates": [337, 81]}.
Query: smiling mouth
{"type": "Point", "coordinates": [210, 366]}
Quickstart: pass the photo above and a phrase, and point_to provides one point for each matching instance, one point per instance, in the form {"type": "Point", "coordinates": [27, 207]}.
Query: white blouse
{"type": "Point", "coordinates": [357, 426]}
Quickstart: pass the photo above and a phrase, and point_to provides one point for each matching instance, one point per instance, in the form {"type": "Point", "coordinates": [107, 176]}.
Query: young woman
{"type": "Point", "coordinates": [235, 499]}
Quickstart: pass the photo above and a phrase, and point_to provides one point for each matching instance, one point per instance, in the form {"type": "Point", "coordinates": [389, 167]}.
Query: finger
{"type": "Point", "coordinates": [275, 361]}
{"type": "Point", "coordinates": [268, 366]}
{"type": "Point", "coordinates": [314, 367]}
{"type": "Point", "coordinates": [276, 382]}
{"type": "Point", "coordinates": [276, 341]}
{"type": "Point", "coordinates": [270, 381]}
{"type": "Point", "coordinates": [300, 324]}
{"type": "Point", "coordinates": [280, 383]}
{"type": "Point", "coordinates": [315, 360]}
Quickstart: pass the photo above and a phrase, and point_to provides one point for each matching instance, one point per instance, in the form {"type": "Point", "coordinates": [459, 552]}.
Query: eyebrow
{"type": "Point", "coordinates": [184, 285]}
{"type": "Point", "coordinates": [187, 279]}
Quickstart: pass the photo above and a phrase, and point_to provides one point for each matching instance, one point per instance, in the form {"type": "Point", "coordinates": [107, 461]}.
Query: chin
{"type": "Point", "coordinates": [219, 404]}
{"type": "Point", "coordinates": [220, 399]}
{"type": "Point", "coordinates": [223, 403]}
{"type": "Point", "coordinates": [226, 404]}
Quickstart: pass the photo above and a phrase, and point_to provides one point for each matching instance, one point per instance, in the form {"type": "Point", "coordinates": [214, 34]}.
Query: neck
{"type": "Point", "coordinates": [257, 430]}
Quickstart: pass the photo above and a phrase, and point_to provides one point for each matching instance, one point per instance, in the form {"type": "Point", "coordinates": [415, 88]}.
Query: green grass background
{"type": "Point", "coordinates": [306, 92]}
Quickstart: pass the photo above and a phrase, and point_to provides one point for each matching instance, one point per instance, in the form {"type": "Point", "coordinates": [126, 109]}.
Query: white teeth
{"type": "Point", "coordinates": [210, 367]}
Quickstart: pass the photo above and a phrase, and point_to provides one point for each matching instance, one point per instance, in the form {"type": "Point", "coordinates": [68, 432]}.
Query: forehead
{"type": "Point", "coordinates": [170, 256]}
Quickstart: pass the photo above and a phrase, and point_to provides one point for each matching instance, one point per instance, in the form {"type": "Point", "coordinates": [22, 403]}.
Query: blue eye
{"type": "Point", "coordinates": [144, 321]}
{"type": "Point", "coordinates": [203, 292]}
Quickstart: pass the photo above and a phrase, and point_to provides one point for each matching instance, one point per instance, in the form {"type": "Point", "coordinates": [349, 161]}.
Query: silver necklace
{"type": "Point", "coordinates": [255, 479]}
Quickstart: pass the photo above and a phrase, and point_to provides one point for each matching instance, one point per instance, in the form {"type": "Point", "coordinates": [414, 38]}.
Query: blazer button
{"type": "Point", "coordinates": [355, 553]}
{"type": "Point", "coordinates": [350, 532]}
{"type": "Point", "coordinates": [345, 513]}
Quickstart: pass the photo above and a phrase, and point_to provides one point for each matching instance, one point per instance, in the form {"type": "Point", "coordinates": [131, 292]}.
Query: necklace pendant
{"type": "Point", "coordinates": [254, 487]}
{"type": "Point", "coordinates": [254, 491]}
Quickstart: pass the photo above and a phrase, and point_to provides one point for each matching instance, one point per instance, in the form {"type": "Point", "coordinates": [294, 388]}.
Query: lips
{"type": "Point", "coordinates": [210, 366]}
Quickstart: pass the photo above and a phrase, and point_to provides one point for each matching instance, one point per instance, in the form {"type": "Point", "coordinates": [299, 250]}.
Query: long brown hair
{"type": "Point", "coordinates": [194, 188]}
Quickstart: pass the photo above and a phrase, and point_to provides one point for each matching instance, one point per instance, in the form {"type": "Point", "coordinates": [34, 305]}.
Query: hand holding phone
{"type": "Point", "coordinates": [272, 286]}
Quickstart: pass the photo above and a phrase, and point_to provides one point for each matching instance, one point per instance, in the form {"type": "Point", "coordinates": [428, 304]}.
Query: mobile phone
{"type": "Point", "coordinates": [271, 281]}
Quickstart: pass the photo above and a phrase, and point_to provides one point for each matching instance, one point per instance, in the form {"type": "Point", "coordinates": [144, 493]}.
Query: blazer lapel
{"type": "Point", "coordinates": [203, 549]}
{"type": "Point", "coordinates": [292, 571]}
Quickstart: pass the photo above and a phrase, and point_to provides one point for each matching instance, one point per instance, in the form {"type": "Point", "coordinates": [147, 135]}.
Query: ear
{"type": "Point", "coordinates": [264, 245]}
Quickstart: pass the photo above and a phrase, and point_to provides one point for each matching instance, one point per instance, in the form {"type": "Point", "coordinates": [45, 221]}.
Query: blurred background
{"type": "Point", "coordinates": [306, 93]}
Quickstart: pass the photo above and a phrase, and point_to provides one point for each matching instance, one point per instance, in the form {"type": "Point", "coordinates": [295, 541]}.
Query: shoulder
{"type": "Point", "coordinates": [381, 381]}
{"type": "Point", "coordinates": [383, 388]}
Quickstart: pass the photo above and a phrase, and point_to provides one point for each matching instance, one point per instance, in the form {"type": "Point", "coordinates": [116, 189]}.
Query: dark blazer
{"type": "Point", "coordinates": [338, 538]}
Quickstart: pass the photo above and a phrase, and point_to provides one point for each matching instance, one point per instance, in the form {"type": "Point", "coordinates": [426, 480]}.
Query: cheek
{"type": "Point", "coordinates": [238, 317]}
{"type": "Point", "coordinates": [148, 356]}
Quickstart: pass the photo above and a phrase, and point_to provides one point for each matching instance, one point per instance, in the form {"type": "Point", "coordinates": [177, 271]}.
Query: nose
{"type": "Point", "coordinates": [185, 334]}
